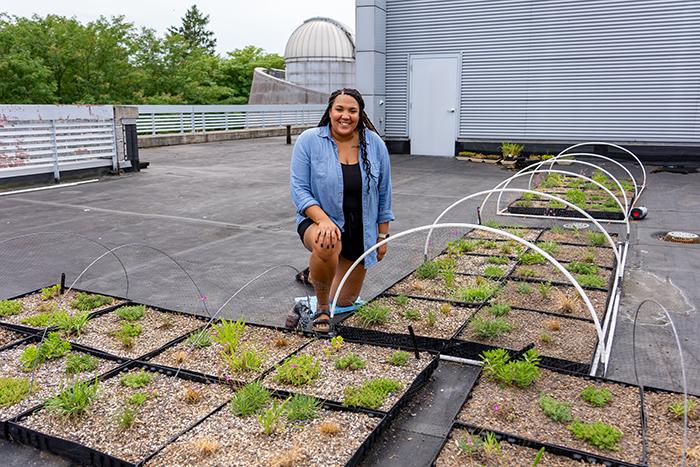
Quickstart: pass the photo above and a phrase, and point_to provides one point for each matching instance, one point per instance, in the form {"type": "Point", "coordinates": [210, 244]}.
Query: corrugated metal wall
{"type": "Point", "coordinates": [556, 70]}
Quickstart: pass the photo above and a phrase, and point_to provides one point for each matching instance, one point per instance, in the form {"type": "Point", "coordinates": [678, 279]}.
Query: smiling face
{"type": "Point", "coordinates": [344, 115]}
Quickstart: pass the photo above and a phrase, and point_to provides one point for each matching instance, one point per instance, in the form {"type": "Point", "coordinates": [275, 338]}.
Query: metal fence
{"type": "Point", "coordinates": [36, 139]}
{"type": "Point", "coordinates": [164, 119]}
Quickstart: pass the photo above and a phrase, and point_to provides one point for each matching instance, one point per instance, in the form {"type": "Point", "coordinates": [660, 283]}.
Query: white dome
{"type": "Point", "coordinates": [320, 39]}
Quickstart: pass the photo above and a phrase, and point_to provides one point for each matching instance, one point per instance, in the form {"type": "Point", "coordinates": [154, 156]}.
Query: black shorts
{"type": "Point", "coordinates": [352, 238]}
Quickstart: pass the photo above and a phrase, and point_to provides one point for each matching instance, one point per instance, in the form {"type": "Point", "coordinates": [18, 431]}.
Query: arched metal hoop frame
{"type": "Point", "coordinates": [602, 143]}
{"type": "Point", "coordinates": [534, 167]}
{"type": "Point", "coordinates": [682, 362]}
{"type": "Point", "coordinates": [521, 190]}
{"type": "Point", "coordinates": [431, 227]}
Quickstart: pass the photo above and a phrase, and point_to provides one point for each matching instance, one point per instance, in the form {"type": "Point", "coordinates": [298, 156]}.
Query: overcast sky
{"type": "Point", "coordinates": [235, 23]}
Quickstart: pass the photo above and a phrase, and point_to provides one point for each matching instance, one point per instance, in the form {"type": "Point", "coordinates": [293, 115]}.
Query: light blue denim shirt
{"type": "Point", "coordinates": [317, 178]}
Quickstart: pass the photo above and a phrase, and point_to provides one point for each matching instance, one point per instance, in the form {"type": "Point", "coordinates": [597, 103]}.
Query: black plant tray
{"type": "Point", "coordinates": [80, 453]}
{"type": "Point", "coordinates": [473, 350]}
{"type": "Point", "coordinates": [443, 300]}
{"type": "Point", "coordinates": [32, 330]}
{"type": "Point", "coordinates": [536, 446]}
{"type": "Point", "coordinates": [4, 426]}
{"type": "Point", "coordinates": [214, 378]}
{"type": "Point", "coordinates": [557, 449]}
{"type": "Point", "coordinates": [391, 339]}
{"type": "Point", "coordinates": [564, 282]}
{"type": "Point", "coordinates": [562, 212]}
{"type": "Point", "coordinates": [27, 338]}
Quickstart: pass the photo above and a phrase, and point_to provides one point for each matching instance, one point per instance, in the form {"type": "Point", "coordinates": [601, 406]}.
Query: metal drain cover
{"type": "Point", "coordinates": [576, 226]}
{"type": "Point", "coordinates": [682, 237]}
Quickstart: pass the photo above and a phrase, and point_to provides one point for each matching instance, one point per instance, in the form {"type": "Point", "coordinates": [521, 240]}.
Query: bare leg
{"type": "Point", "coordinates": [322, 266]}
{"type": "Point", "coordinates": [351, 288]}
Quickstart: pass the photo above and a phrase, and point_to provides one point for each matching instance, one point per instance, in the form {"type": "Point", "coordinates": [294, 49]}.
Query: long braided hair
{"type": "Point", "coordinates": [363, 124]}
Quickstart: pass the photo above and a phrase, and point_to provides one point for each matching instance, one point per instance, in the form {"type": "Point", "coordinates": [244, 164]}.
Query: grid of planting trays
{"type": "Point", "coordinates": [132, 383]}
{"type": "Point", "coordinates": [485, 292]}
{"type": "Point", "coordinates": [585, 195]}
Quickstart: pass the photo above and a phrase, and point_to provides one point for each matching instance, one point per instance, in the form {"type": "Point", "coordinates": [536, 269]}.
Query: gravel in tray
{"type": "Point", "coordinates": [48, 379]}
{"type": "Point", "coordinates": [158, 328]}
{"type": "Point", "coordinates": [511, 455]}
{"type": "Point", "coordinates": [526, 233]}
{"type": "Point", "coordinates": [516, 411]}
{"type": "Point", "coordinates": [601, 256]}
{"type": "Point", "coordinates": [665, 430]}
{"type": "Point", "coordinates": [331, 382]}
{"type": "Point", "coordinates": [559, 300]}
{"type": "Point", "coordinates": [499, 247]}
{"type": "Point", "coordinates": [7, 336]}
{"type": "Point", "coordinates": [568, 339]}
{"type": "Point", "coordinates": [448, 318]}
{"type": "Point", "coordinates": [547, 272]}
{"type": "Point", "coordinates": [433, 288]}
{"type": "Point", "coordinates": [164, 414]}
{"type": "Point", "coordinates": [34, 305]}
{"type": "Point", "coordinates": [475, 264]}
{"type": "Point", "coordinates": [571, 236]}
{"type": "Point", "coordinates": [271, 344]}
{"type": "Point", "coordinates": [225, 439]}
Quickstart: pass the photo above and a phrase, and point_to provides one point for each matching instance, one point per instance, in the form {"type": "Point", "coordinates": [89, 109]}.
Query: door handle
{"type": "Point", "coordinates": [452, 110]}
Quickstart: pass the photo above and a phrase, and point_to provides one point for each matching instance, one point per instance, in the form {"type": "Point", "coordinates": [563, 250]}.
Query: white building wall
{"type": "Point", "coordinates": [555, 70]}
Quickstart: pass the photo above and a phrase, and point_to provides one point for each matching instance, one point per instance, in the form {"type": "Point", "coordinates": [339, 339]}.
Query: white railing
{"type": "Point", "coordinates": [165, 119]}
{"type": "Point", "coordinates": [37, 139]}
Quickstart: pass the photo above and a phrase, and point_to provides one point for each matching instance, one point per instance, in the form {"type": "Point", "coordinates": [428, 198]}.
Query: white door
{"type": "Point", "coordinates": [433, 98]}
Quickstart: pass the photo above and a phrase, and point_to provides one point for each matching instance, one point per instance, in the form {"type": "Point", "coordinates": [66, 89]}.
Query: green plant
{"type": "Point", "coordinates": [493, 223]}
{"type": "Point", "coordinates": [401, 300]}
{"type": "Point", "coordinates": [298, 370]}
{"type": "Point", "coordinates": [553, 180]}
{"type": "Point", "coordinates": [86, 302]}
{"type": "Point", "coordinates": [556, 204]}
{"type": "Point", "coordinates": [491, 445]}
{"type": "Point", "coordinates": [10, 307]}
{"type": "Point", "coordinates": [494, 272]}
{"type": "Point", "coordinates": [445, 308]}
{"type": "Point", "coordinates": [271, 419]}
{"type": "Point", "coordinates": [555, 410]}
{"type": "Point", "coordinates": [490, 328]}
{"type": "Point", "coordinates": [476, 294]}
{"type": "Point", "coordinates": [677, 408]}
{"type": "Point", "coordinates": [498, 260]}
{"type": "Point", "coordinates": [519, 231]}
{"type": "Point", "coordinates": [371, 314]}
{"type": "Point", "coordinates": [596, 397]}
{"type": "Point", "coordinates": [538, 457]}
{"type": "Point", "coordinates": [589, 257]}
{"type": "Point", "coordinates": [549, 246]}
{"type": "Point", "coordinates": [13, 390]}
{"type": "Point", "coordinates": [138, 398]}
{"type": "Point", "coordinates": [229, 333]}
{"type": "Point", "coordinates": [490, 244]}
{"type": "Point", "coordinates": [557, 229]}
{"type": "Point", "coordinates": [526, 272]}
{"type": "Point", "coordinates": [462, 245]}
{"type": "Point", "coordinates": [131, 313]}
{"type": "Point", "coordinates": [576, 197]}
{"type": "Point", "coordinates": [126, 333]}
{"type": "Point", "coordinates": [531, 257]}
{"type": "Point", "coordinates": [370, 394]}
{"type": "Point", "coordinates": [127, 418]}
{"type": "Point", "coordinates": [72, 325]}
{"type": "Point", "coordinates": [45, 319]}
{"type": "Point", "coordinates": [411, 314]}
{"type": "Point", "coordinates": [52, 347]}
{"type": "Point", "coordinates": [80, 363]}
{"type": "Point", "coordinates": [506, 248]}
{"type": "Point", "coordinates": [578, 267]}
{"type": "Point", "coordinates": [137, 379]}
{"type": "Point", "coordinates": [301, 407]}
{"type": "Point", "coordinates": [598, 434]}
{"type": "Point", "coordinates": [545, 288]}
{"type": "Point", "coordinates": [469, 444]}
{"type": "Point", "coordinates": [596, 238]}
{"type": "Point", "coordinates": [337, 343]}
{"type": "Point", "coordinates": [431, 318]}
{"type": "Point", "coordinates": [73, 400]}
{"type": "Point", "coordinates": [511, 150]}
{"type": "Point", "coordinates": [398, 358]}
{"type": "Point", "coordinates": [428, 270]}
{"type": "Point", "coordinates": [249, 399]}
{"type": "Point", "coordinates": [521, 373]}
{"type": "Point", "coordinates": [350, 361]}
{"type": "Point", "coordinates": [524, 288]}
{"type": "Point", "coordinates": [499, 309]}
{"type": "Point", "coordinates": [546, 338]}
{"type": "Point", "coordinates": [242, 360]}
{"type": "Point", "coordinates": [47, 293]}
{"type": "Point", "coordinates": [591, 280]}
{"type": "Point", "coordinates": [448, 276]}
{"type": "Point", "coordinates": [199, 339]}
{"type": "Point", "coordinates": [29, 359]}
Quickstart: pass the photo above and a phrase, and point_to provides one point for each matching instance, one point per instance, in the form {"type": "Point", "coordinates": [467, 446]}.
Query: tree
{"type": "Point", "coordinates": [194, 32]}
{"type": "Point", "coordinates": [238, 69]}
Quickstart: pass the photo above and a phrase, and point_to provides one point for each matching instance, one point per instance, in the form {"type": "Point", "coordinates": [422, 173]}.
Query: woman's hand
{"type": "Point", "coordinates": [328, 234]}
{"type": "Point", "coordinates": [381, 251]}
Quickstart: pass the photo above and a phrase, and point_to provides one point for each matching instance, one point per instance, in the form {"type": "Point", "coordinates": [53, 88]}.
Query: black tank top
{"type": "Point", "coordinates": [352, 192]}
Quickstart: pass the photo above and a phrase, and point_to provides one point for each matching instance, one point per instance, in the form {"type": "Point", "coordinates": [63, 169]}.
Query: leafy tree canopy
{"type": "Point", "coordinates": [194, 30]}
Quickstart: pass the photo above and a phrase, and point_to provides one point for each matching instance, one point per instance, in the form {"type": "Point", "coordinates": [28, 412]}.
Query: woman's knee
{"type": "Point", "coordinates": [325, 253]}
